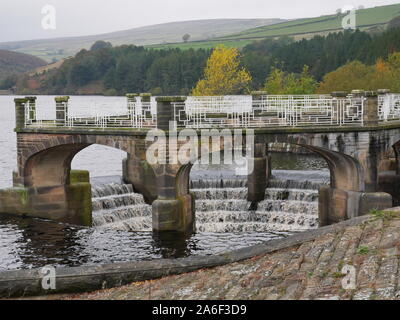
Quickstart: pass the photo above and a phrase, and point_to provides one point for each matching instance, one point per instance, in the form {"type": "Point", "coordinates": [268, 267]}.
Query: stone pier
{"type": "Point", "coordinates": [173, 210]}
{"type": "Point", "coordinates": [260, 173]}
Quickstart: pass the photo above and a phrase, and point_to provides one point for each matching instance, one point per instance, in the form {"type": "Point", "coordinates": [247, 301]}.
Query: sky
{"type": "Point", "coordinates": [22, 19]}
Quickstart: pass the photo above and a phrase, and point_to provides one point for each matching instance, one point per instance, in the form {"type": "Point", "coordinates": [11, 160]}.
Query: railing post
{"type": "Point", "coordinates": [339, 94]}
{"type": "Point", "coordinates": [20, 104]}
{"type": "Point", "coordinates": [32, 108]}
{"type": "Point", "coordinates": [132, 99]}
{"type": "Point", "coordinates": [384, 104]}
{"type": "Point", "coordinates": [61, 110]}
{"type": "Point", "coordinates": [383, 92]}
{"type": "Point", "coordinates": [165, 111]}
{"type": "Point", "coordinates": [257, 95]}
{"type": "Point", "coordinates": [146, 97]}
{"type": "Point", "coordinates": [371, 108]}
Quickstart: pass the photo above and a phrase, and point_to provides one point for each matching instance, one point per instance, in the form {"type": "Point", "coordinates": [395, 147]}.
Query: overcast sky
{"type": "Point", "coordinates": [22, 19]}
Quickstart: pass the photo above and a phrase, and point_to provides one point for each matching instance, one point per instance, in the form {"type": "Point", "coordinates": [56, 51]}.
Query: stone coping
{"type": "Point", "coordinates": [262, 130]}
{"type": "Point", "coordinates": [25, 283]}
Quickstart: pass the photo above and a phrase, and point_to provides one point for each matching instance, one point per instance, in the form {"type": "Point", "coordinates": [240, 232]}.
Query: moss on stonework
{"type": "Point", "coordinates": [61, 99]}
{"type": "Point", "coordinates": [20, 100]}
{"type": "Point", "coordinates": [23, 195]}
{"type": "Point", "coordinates": [80, 201]}
{"type": "Point", "coordinates": [385, 215]}
{"type": "Point", "coordinates": [14, 200]}
{"type": "Point", "coordinates": [258, 93]}
{"type": "Point", "coordinates": [338, 94]}
{"type": "Point", "coordinates": [171, 99]}
{"type": "Point", "coordinates": [79, 176]}
{"type": "Point", "coordinates": [132, 95]}
{"type": "Point", "coordinates": [371, 94]}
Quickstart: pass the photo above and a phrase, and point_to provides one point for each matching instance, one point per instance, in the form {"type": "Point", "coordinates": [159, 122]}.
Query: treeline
{"type": "Point", "coordinates": [130, 69]}
{"type": "Point", "coordinates": [321, 54]}
{"type": "Point", "coordinates": [124, 69]}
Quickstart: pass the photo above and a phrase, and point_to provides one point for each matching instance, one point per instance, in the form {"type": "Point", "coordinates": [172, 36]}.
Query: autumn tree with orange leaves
{"type": "Point", "coordinates": [385, 74]}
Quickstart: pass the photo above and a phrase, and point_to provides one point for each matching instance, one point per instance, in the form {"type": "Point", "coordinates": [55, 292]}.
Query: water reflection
{"type": "Point", "coordinates": [173, 244]}
{"type": "Point", "coordinates": [32, 243]}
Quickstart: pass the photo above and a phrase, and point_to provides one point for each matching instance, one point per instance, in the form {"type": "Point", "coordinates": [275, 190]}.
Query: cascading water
{"type": "Point", "coordinates": [221, 205]}
{"type": "Point", "coordinates": [117, 206]}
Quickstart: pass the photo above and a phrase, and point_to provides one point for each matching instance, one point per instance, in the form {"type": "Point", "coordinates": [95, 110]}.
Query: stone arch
{"type": "Point", "coordinates": [346, 172]}
{"type": "Point", "coordinates": [50, 167]}
{"type": "Point", "coordinates": [46, 160]}
{"type": "Point", "coordinates": [183, 180]}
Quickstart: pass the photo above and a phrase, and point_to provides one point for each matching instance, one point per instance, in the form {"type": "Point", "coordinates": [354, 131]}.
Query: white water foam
{"type": "Point", "coordinates": [221, 206]}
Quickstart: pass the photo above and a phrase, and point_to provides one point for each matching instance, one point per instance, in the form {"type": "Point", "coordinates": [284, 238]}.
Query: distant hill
{"type": "Point", "coordinates": [15, 62]}
{"type": "Point", "coordinates": [370, 19]}
{"type": "Point", "coordinates": [59, 48]}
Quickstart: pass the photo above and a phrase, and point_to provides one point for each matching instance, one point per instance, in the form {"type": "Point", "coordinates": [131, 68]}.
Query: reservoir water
{"type": "Point", "coordinates": [121, 230]}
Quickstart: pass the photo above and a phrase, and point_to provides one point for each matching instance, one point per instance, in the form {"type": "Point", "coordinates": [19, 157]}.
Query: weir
{"type": "Point", "coordinates": [356, 134]}
{"type": "Point", "coordinates": [221, 207]}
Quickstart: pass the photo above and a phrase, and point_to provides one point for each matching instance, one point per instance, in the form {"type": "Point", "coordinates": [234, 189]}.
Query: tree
{"type": "Point", "coordinates": [100, 45]}
{"type": "Point", "coordinates": [186, 37]}
{"type": "Point", "coordinates": [223, 74]}
{"type": "Point", "coordinates": [306, 82]}
{"type": "Point", "coordinates": [275, 82]}
{"type": "Point", "coordinates": [278, 82]}
{"type": "Point", "coordinates": [353, 75]}
{"type": "Point", "coordinates": [300, 84]}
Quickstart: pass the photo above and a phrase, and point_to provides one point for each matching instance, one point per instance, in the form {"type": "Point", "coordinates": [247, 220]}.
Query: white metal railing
{"type": "Point", "coordinates": [135, 114]}
{"type": "Point", "coordinates": [389, 107]}
{"type": "Point", "coordinates": [217, 105]}
{"type": "Point", "coordinates": [272, 111]}
{"type": "Point", "coordinates": [214, 112]}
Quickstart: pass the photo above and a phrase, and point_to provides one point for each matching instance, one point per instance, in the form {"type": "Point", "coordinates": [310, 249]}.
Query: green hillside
{"type": "Point", "coordinates": [51, 49]}
{"type": "Point", "coordinates": [367, 19]}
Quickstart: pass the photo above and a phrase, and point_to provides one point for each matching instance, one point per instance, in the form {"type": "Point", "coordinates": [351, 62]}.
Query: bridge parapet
{"type": "Point", "coordinates": [257, 111]}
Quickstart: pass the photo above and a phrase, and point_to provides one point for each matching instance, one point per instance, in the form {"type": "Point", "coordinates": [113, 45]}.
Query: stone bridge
{"type": "Point", "coordinates": [363, 159]}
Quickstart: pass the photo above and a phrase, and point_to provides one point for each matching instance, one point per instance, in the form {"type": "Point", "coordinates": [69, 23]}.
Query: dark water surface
{"type": "Point", "coordinates": [31, 243]}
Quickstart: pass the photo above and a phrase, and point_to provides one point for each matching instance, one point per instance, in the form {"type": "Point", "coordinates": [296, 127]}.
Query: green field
{"type": "Point", "coordinates": [300, 28]}
{"type": "Point", "coordinates": [50, 49]}
{"type": "Point", "coordinates": [204, 44]}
